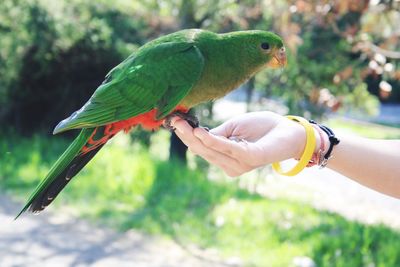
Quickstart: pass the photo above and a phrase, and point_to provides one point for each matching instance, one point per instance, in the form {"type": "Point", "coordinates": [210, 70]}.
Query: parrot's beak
{"type": "Point", "coordinates": [279, 59]}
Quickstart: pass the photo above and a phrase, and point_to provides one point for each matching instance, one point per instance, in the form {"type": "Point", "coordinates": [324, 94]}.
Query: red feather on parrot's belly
{"type": "Point", "coordinates": [147, 120]}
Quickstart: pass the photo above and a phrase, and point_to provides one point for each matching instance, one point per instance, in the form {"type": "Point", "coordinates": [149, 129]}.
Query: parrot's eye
{"type": "Point", "coordinates": [265, 46]}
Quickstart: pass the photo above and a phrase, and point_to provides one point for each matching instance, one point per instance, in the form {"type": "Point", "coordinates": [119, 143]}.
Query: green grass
{"type": "Point", "coordinates": [126, 187]}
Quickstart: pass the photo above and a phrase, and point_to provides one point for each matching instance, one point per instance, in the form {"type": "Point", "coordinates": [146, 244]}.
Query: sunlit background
{"type": "Point", "coordinates": [132, 205]}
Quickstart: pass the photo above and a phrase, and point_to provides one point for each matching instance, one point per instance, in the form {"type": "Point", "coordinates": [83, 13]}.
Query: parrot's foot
{"type": "Point", "coordinates": [191, 119]}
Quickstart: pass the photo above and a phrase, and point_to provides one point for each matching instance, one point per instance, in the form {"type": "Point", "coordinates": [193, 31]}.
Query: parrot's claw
{"type": "Point", "coordinates": [191, 119]}
{"type": "Point", "coordinates": [167, 124]}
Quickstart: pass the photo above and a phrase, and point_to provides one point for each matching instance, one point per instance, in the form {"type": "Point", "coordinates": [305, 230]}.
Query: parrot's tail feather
{"type": "Point", "coordinates": [54, 188]}
{"type": "Point", "coordinates": [77, 155]}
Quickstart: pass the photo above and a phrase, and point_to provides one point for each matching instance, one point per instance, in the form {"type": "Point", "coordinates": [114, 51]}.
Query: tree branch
{"type": "Point", "coordinates": [385, 52]}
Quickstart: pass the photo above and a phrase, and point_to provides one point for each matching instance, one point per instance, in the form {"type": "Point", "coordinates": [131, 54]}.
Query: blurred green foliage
{"type": "Point", "coordinates": [180, 203]}
{"type": "Point", "coordinates": [53, 59]}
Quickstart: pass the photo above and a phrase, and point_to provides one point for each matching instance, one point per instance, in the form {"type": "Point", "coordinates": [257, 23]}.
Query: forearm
{"type": "Point", "coordinates": [373, 163]}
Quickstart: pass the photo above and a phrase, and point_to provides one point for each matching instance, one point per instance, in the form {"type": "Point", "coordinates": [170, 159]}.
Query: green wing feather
{"type": "Point", "coordinates": [159, 76]}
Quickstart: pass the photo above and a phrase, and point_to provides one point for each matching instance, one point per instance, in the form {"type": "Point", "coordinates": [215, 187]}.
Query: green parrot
{"type": "Point", "coordinates": [165, 77]}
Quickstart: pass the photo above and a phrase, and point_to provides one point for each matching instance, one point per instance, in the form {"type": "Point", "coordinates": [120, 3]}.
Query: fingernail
{"type": "Point", "coordinates": [175, 128]}
{"type": "Point", "coordinates": [173, 120]}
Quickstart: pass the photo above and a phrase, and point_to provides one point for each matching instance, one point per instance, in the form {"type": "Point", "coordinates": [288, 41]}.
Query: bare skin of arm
{"type": "Point", "coordinates": [257, 139]}
{"type": "Point", "coordinates": [373, 163]}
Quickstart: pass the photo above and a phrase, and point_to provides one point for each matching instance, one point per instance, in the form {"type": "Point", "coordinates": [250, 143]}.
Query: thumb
{"type": "Point", "coordinates": [224, 129]}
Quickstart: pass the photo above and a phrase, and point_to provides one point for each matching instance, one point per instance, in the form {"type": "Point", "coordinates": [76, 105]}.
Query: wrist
{"type": "Point", "coordinates": [300, 140]}
{"type": "Point", "coordinates": [327, 141]}
{"type": "Point", "coordinates": [321, 145]}
{"type": "Point", "coordinates": [322, 140]}
{"type": "Point", "coordinates": [319, 140]}
{"type": "Point", "coordinates": [308, 146]}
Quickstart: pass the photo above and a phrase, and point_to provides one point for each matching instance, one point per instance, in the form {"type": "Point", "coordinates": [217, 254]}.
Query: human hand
{"type": "Point", "coordinates": [245, 142]}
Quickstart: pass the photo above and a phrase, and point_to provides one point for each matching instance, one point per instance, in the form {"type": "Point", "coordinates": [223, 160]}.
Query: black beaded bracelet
{"type": "Point", "coordinates": [333, 140]}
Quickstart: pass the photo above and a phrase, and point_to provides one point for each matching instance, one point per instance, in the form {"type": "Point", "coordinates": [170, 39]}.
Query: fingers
{"type": "Point", "coordinates": [224, 129]}
{"type": "Point", "coordinates": [220, 143]}
{"type": "Point", "coordinates": [211, 149]}
{"type": "Point", "coordinates": [246, 153]}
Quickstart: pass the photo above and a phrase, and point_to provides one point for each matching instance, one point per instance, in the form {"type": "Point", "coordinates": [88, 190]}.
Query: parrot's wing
{"type": "Point", "coordinates": [158, 77]}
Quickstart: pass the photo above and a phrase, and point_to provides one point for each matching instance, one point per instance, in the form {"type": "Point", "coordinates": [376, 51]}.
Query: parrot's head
{"type": "Point", "coordinates": [266, 47]}
{"type": "Point", "coordinates": [260, 49]}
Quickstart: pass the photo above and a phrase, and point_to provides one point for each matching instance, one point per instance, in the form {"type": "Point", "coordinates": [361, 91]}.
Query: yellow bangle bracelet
{"type": "Point", "coordinates": [308, 150]}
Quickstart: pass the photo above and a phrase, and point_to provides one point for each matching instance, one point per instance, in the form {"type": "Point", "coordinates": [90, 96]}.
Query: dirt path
{"type": "Point", "coordinates": [56, 241]}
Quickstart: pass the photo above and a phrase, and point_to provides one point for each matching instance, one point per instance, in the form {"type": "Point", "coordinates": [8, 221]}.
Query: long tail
{"type": "Point", "coordinates": [77, 155]}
